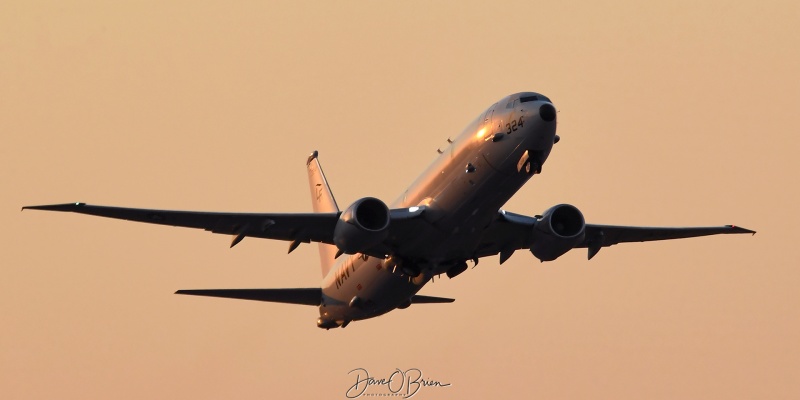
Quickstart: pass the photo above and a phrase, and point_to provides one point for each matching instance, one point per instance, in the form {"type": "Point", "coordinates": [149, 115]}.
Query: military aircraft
{"type": "Point", "coordinates": [375, 258]}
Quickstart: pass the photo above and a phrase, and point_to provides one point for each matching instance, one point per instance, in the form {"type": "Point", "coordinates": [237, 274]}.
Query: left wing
{"type": "Point", "coordinates": [301, 227]}
{"type": "Point", "coordinates": [510, 232]}
{"type": "Point", "coordinates": [599, 236]}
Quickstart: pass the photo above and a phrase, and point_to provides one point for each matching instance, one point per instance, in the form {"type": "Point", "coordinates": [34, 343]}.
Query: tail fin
{"type": "Point", "coordinates": [322, 200]}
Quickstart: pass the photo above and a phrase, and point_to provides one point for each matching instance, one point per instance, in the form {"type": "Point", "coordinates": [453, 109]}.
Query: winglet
{"type": "Point", "coordinates": [312, 156]}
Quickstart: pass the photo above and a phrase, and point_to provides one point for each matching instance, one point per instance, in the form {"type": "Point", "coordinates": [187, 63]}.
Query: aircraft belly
{"type": "Point", "coordinates": [463, 244]}
{"type": "Point", "coordinates": [376, 289]}
{"type": "Point", "coordinates": [471, 204]}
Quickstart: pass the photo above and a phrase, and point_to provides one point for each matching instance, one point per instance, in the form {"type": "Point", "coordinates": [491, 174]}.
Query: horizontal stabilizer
{"type": "Point", "coordinates": [306, 296]}
{"type": "Point", "coordinates": [417, 299]}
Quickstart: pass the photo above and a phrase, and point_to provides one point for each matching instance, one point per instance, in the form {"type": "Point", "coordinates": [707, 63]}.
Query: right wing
{"type": "Point", "coordinates": [294, 227]}
{"type": "Point", "coordinates": [599, 236]}
{"type": "Point", "coordinates": [300, 227]}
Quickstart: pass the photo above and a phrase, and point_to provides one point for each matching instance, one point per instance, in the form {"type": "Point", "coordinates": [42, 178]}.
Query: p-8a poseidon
{"type": "Point", "coordinates": [375, 258]}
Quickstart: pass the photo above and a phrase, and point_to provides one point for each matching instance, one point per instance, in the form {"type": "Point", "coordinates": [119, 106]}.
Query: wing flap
{"type": "Point", "coordinates": [304, 296]}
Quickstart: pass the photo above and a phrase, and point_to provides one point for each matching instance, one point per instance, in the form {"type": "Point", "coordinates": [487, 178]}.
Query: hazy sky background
{"type": "Point", "coordinates": [680, 113]}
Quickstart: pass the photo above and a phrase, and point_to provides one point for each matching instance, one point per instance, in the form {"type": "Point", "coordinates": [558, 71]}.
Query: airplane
{"type": "Point", "coordinates": [375, 258]}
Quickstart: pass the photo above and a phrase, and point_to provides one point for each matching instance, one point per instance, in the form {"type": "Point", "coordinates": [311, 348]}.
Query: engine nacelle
{"type": "Point", "coordinates": [557, 232]}
{"type": "Point", "coordinates": [363, 225]}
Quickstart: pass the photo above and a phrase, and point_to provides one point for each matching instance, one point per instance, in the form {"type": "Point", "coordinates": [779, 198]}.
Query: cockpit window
{"type": "Point", "coordinates": [526, 99]}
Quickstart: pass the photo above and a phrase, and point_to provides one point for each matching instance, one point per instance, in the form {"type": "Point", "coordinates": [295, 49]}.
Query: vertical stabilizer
{"type": "Point", "coordinates": [322, 200]}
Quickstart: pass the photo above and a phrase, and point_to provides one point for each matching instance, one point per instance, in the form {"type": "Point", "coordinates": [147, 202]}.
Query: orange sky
{"type": "Point", "coordinates": [677, 114]}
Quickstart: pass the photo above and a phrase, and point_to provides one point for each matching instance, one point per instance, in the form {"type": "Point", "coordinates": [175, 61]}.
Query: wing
{"type": "Point", "coordinates": [297, 228]}
{"type": "Point", "coordinates": [510, 232]}
{"type": "Point", "coordinates": [599, 236]}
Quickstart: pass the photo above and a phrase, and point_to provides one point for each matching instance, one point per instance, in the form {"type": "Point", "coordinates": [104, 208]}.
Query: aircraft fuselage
{"type": "Point", "coordinates": [461, 192]}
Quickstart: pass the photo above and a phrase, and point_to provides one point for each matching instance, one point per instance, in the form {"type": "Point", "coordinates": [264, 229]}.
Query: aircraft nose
{"type": "Point", "coordinates": [547, 112]}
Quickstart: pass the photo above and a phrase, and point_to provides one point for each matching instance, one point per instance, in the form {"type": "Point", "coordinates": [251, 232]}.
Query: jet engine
{"type": "Point", "coordinates": [361, 226]}
{"type": "Point", "coordinates": [560, 229]}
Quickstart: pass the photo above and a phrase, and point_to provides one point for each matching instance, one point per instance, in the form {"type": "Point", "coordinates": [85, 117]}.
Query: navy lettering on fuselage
{"type": "Point", "coordinates": [347, 267]}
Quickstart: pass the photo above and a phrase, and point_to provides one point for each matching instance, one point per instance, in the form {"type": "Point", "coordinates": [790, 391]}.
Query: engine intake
{"type": "Point", "coordinates": [361, 226]}
{"type": "Point", "coordinates": [557, 232]}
